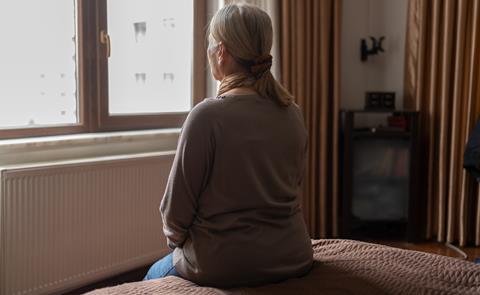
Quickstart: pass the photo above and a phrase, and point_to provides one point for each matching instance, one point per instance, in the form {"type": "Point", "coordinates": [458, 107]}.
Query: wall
{"type": "Point", "coordinates": [383, 72]}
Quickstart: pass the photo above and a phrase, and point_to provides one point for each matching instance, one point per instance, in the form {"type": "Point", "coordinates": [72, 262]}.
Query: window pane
{"type": "Point", "coordinates": [150, 68]}
{"type": "Point", "coordinates": [38, 80]}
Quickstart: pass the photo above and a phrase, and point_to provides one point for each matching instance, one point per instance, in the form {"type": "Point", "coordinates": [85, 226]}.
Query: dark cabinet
{"type": "Point", "coordinates": [379, 174]}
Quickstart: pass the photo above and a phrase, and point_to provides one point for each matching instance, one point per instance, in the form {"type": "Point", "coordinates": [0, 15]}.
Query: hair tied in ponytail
{"type": "Point", "coordinates": [261, 65]}
{"type": "Point", "coordinates": [246, 31]}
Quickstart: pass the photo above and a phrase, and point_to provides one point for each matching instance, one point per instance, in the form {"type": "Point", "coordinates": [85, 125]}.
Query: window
{"type": "Point", "coordinates": [38, 58]}
{"type": "Point", "coordinates": [143, 77]}
{"type": "Point", "coordinates": [99, 65]}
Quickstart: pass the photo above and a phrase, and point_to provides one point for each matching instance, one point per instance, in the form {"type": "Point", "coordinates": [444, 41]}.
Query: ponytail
{"type": "Point", "coordinates": [267, 86]}
{"type": "Point", "coordinates": [247, 32]}
{"type": "Point", "coordinates": [260, 79]}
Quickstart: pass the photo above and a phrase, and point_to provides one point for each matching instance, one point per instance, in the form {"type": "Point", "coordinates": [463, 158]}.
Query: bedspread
{"type": "Point", "coordinates": [345, 267]}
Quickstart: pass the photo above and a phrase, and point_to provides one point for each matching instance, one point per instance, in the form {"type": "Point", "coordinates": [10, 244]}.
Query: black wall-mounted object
{"type": "Point", "coordinates": [379, 180]}
{"type": "Point", "coordinates": [375, 49]}
{"type": "Point", "coordinates": [379, 100]}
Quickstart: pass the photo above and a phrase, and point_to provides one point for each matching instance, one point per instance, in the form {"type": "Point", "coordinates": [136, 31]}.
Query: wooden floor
{"type": "Point", "coordinates": [430, 247]}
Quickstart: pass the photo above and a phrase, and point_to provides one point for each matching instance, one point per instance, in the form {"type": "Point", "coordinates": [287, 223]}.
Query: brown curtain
{"type": "Point", "coordinates": [443, 82]}
{"type": "Point", "coordinates": [310, 64]}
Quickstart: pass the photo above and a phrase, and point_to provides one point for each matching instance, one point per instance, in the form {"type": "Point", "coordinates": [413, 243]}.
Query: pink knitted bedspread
{"type": "Point", "coordinates": [346, 267]}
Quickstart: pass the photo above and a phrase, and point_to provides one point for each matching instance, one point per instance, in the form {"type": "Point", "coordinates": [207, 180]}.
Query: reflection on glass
{"type": "Point", "coordinates": [38, 78]}
{"type": "Point", "coordinates": [140, 30]}
{"type": "Point", "coordinates": [169, 76]}
{"type": "Point", "coordinates": [150, 68]}
{"type": "Point", "coordinates": [381, 179]}
{"type": "Point", "coordinates": [142, 77]}
{"type": "Point", "coordinates": [169, 22]}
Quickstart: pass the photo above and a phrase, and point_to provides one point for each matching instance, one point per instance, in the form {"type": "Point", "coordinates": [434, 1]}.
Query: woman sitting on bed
{"type": "Point", "coordinates": [231, 210]}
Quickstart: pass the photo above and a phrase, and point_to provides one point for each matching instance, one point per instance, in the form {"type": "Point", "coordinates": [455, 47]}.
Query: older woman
{"type": "Point", "coordinates": [231, 211]}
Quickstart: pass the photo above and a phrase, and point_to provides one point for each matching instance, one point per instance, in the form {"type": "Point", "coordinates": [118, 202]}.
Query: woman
{"type": "Point", "coordinates": [231, 211]}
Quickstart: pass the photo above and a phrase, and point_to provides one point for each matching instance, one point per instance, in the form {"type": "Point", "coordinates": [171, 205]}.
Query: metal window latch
{"type": "Point", "coordinates": [105, 40]}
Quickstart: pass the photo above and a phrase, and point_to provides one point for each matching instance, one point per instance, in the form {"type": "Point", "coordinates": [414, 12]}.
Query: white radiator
{"type": "Point", "coordinates": [67, 224]}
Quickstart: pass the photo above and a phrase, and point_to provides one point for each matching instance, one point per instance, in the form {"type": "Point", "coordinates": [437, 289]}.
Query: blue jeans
{"type": "Point", "coordinates": [162, 268]}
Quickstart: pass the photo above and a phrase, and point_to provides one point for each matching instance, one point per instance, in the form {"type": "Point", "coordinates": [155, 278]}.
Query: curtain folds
{"type": "Point", "coordinates": [310, 65]}
{"type": "Point", "coordinates": [442, 81]}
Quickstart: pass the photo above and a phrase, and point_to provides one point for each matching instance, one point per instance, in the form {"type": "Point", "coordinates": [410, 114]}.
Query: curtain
{"type": "Point", "coordinates": [442, 81]}
{"type": "Point", "coordinates": [310, 64]}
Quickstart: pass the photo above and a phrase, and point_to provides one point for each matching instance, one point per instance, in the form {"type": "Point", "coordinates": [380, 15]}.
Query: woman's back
{"type": "Point", "coordinates": [248, 228]}
{"type": "Point", "coordinates": [231, 210]}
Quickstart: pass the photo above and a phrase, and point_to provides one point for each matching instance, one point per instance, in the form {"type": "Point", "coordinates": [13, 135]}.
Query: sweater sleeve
{"type": "Point", "coordinates": [304, 150]}
{"type": "Point", "coordinates": [303, 165]}
{"type": "Point", "coordinates": [189, 175]}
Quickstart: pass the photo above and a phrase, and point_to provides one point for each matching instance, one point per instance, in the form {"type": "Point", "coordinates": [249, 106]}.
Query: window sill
{"type": "Point", "coordinates": [78, 146]}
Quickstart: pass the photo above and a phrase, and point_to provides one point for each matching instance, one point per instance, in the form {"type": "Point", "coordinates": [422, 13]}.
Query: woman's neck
{"type": "Point", "coordinates": [240, 91]}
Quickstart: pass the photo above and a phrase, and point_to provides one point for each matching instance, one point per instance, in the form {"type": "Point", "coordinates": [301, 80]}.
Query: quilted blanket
{"type": "Point", "coordinates": [345, 267]}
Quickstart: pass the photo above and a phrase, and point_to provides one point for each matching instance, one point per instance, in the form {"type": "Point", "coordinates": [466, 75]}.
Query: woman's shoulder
{"type": "Point", "coordinates": [218, 106]}
{"type": "Point", "coordinates": [293, 105]}
{"type": "Point", "coordinates": [204, 111]}
{"type": "Point", "coordinates": [210, 103]}
{"type": "Point", "coordinates": [207, 107]}
{"type": "Point", "coordinates": [296, 109]}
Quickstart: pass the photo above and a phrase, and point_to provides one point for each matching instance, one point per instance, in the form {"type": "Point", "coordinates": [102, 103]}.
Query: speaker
{"type": "Point", "coordinates": [380, 100]}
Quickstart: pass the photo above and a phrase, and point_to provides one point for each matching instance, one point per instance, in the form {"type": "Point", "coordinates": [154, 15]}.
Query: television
{"type": "Point", "coordinates": [471, 157]}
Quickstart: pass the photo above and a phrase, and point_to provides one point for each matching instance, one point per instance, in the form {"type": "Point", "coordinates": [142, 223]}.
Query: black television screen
{"type": "Point", "coordinates": [471, 158]}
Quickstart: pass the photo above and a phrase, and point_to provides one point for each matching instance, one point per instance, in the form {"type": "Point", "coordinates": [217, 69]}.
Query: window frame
{"type": "Point", "coordinates": [92, 66]}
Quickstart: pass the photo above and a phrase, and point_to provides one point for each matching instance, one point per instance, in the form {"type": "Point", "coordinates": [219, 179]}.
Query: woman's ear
{"type": "Point", "coordinates": [221, 53]}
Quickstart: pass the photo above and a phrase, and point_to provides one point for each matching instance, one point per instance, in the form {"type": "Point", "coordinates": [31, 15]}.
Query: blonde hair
{"type": "Point", "coordinates": [246, 31]}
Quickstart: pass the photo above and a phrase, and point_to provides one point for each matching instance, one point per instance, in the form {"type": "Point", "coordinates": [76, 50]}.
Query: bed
{"type": "Point", "coordinates": [346, 267]}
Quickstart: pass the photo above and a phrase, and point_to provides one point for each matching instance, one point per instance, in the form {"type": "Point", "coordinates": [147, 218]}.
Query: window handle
{"type": "Point", "coordinates": [105, 39]}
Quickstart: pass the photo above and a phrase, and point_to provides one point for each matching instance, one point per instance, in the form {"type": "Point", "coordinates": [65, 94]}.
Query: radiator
{"type": "Point", "coordinates": [67, 224]}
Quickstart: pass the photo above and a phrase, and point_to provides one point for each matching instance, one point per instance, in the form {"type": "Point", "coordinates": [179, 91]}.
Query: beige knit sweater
{"type": "Point", "coordinates": [231, 210]}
